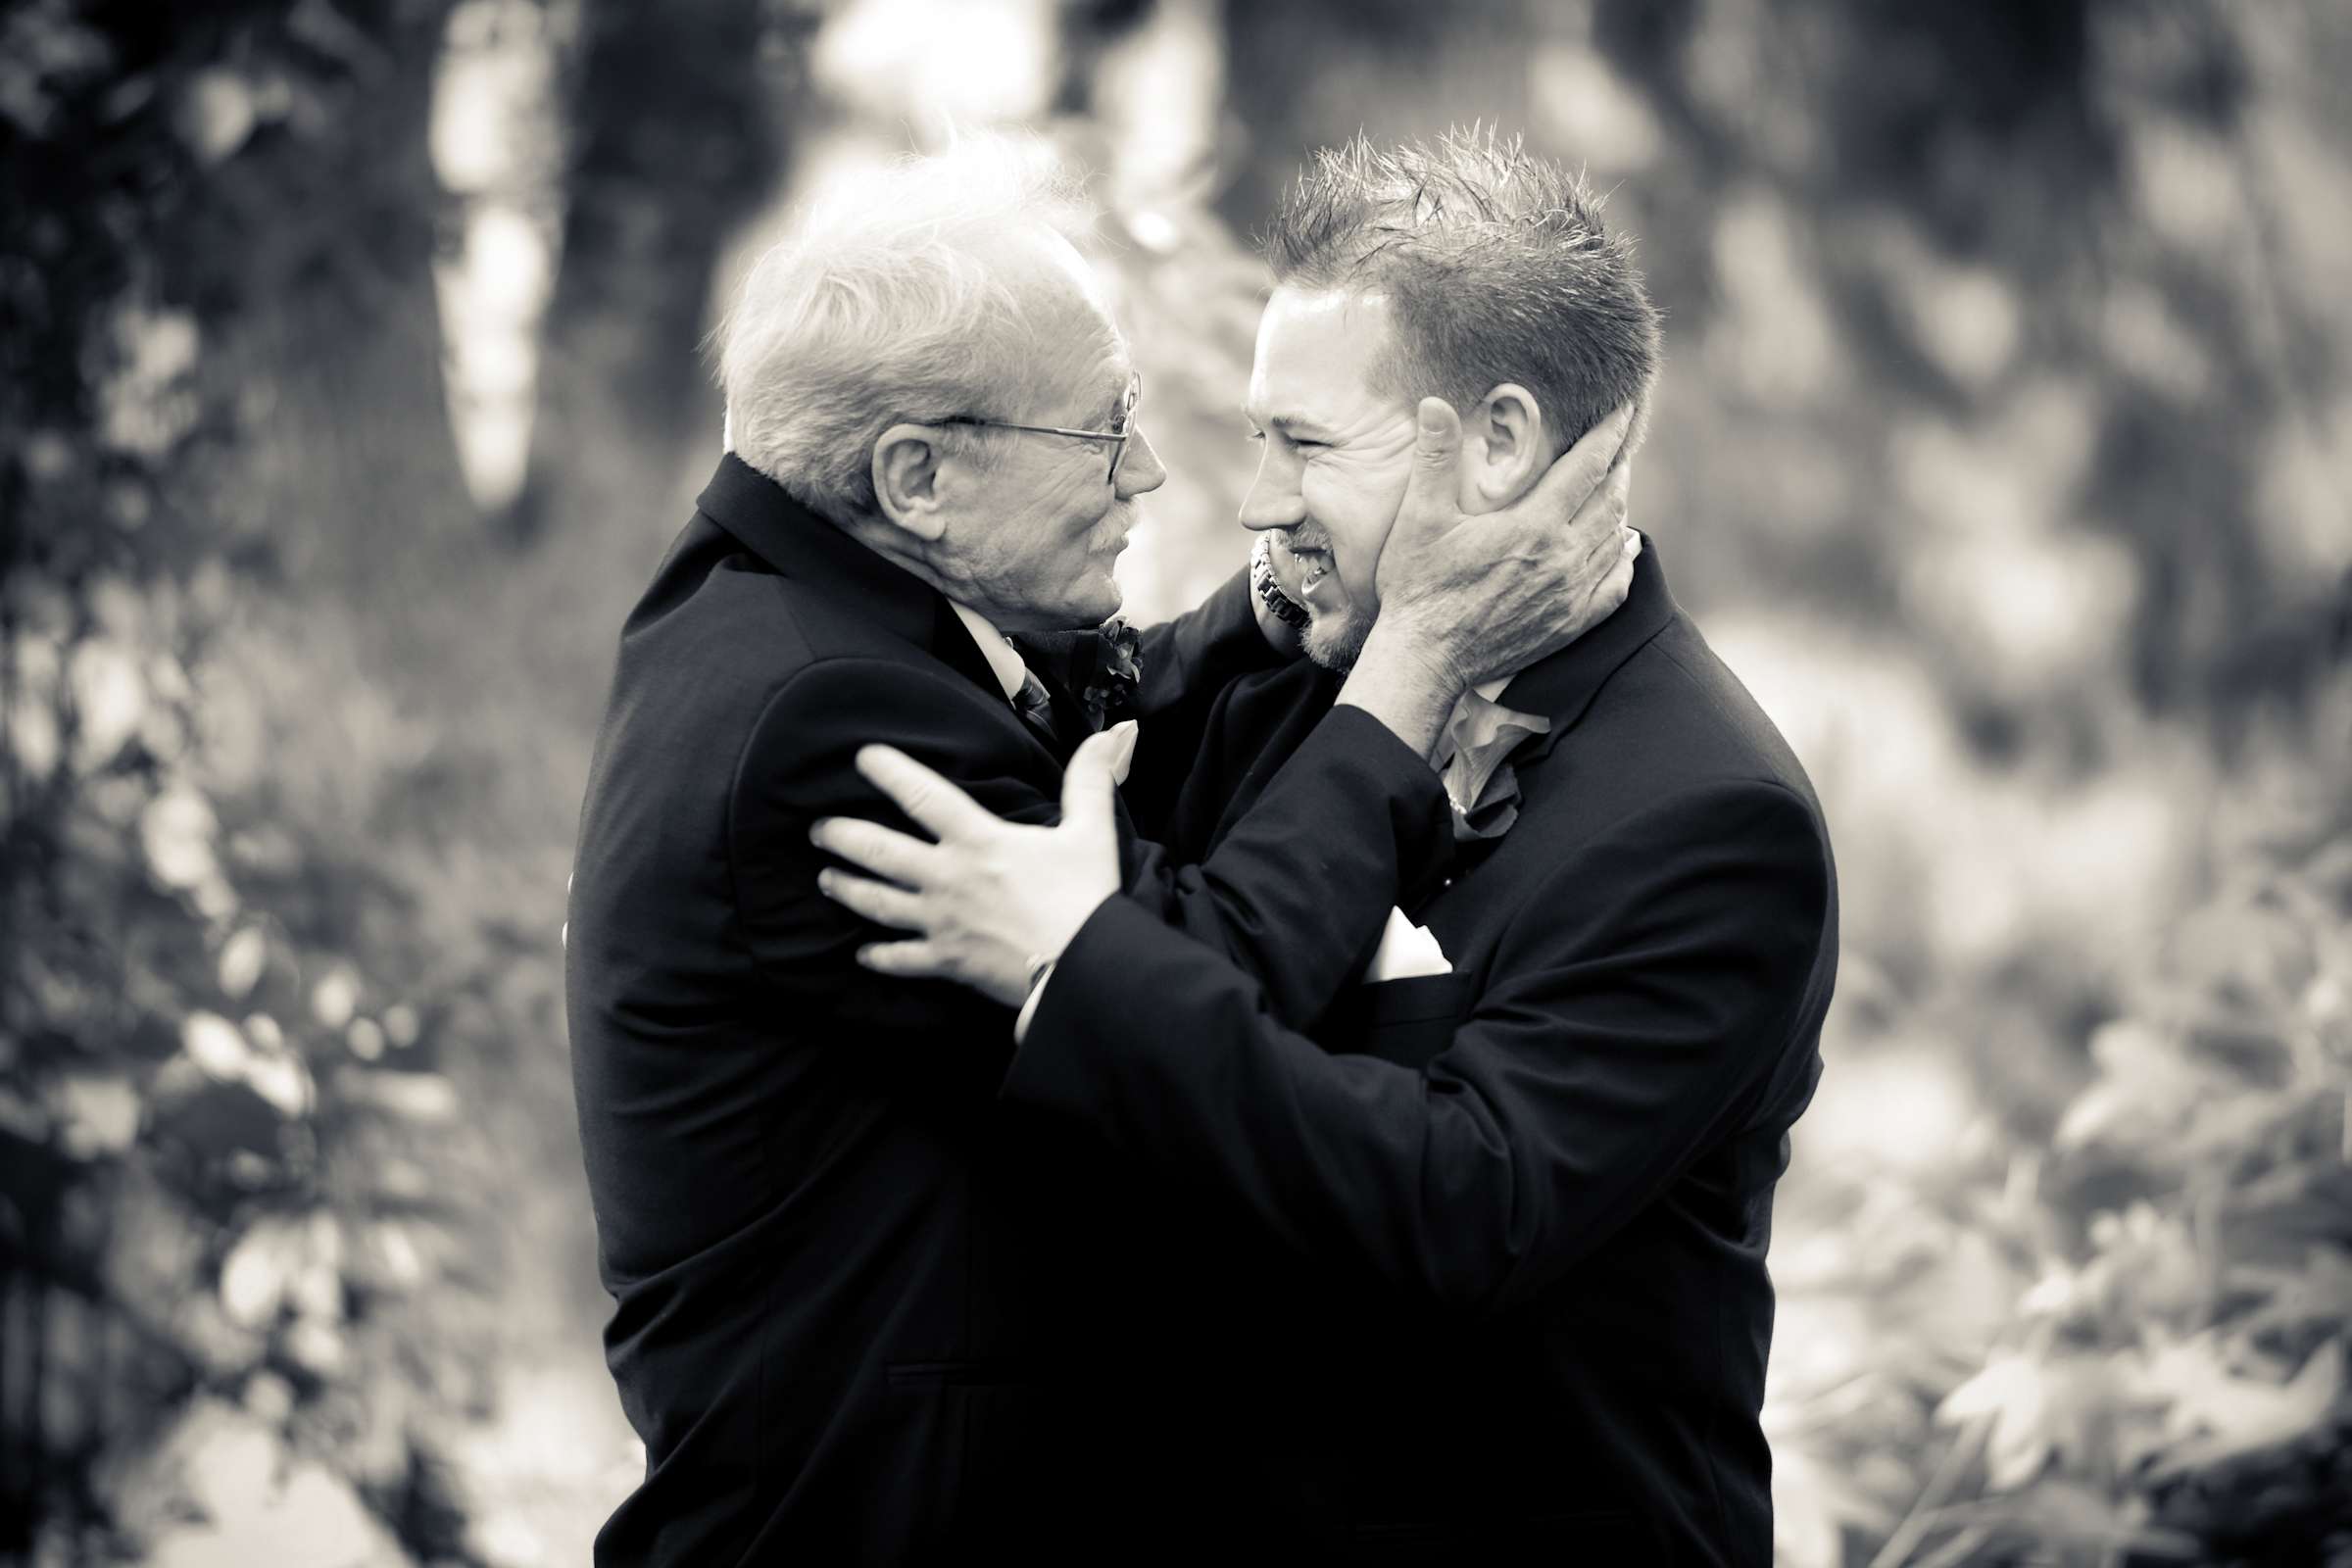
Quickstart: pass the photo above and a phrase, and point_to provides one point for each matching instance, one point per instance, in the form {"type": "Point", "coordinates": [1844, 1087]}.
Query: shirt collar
{"type": "Point", "coordinates": [1004, 662]}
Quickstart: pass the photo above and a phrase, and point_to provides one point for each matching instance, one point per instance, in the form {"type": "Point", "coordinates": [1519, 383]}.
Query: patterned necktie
{"type": "Point", "coordinates": [1033, 704]}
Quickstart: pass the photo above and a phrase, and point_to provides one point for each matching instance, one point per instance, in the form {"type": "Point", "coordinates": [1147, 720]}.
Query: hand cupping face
{"type": "Point", "coordinates": [1496, 592]}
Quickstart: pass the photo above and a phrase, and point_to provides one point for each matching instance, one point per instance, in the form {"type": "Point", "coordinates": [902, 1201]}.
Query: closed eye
{"type": "Point", "coordinates": [1297, 443]}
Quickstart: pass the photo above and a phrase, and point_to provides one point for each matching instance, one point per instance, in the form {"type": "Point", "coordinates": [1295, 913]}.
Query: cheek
{"type": "Point", "coordinates": [1357, 517]}
{"type": "Point", "coordinates": [1076, 508]}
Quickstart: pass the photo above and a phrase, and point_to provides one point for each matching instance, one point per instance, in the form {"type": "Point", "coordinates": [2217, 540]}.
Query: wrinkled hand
{"type": "Point", "coordinates": [1489, 595]}
{"type": "Point", "coordinates": [991, 897]}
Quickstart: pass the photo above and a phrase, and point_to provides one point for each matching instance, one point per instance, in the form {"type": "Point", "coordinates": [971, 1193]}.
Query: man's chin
{"type": "Point", "coordinates": [1107, 603]}
{"type": "Point", "coordinates": [1093, 604]}
{"type": "Point", "coordinates": [1335, 642]}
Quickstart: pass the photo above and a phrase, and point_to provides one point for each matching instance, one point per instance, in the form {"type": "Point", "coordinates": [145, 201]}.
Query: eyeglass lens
{"type": "Point", "coordinates": [1124, 426]}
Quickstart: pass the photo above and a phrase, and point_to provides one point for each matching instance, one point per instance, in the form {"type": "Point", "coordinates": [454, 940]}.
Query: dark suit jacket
{"type": "Point", "coordinates": [827, 1326]}
{"type": "Point", "coordinates": [1478, 1265]}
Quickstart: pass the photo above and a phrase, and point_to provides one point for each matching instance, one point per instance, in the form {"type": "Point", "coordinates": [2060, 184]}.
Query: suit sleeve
{"type": "Point", "coordinates": [1296, 892]}
{"type": "Point", "coordinates": [1635, 1011]}
{"type": "Point", "coordinates": [1355, 818]}
{"type": "Point", "coordinates": [797, 765]}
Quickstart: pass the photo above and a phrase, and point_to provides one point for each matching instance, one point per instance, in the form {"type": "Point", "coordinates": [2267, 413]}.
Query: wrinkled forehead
{"type": "Point", "coordinates": [1321, 355]}
{"type": "Point", "coordinates": [1078, 352]}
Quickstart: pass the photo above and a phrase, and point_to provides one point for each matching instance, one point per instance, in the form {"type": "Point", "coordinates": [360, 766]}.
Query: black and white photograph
{"type": "Point", "coordinates": [1455, 782]}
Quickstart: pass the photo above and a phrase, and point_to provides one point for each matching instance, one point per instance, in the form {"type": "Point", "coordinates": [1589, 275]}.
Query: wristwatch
{"type": "Point", "coordinates": [1261, 579]}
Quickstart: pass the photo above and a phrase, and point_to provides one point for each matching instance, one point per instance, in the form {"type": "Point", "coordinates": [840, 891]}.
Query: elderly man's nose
{"type": "Point", "coordinates": [1140, 469]}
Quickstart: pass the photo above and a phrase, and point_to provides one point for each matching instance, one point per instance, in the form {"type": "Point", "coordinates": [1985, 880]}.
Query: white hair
{"type": "Point", "coordinates": [900, 295]}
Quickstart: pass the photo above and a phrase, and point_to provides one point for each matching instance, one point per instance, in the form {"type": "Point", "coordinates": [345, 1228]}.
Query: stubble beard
{"type": "Point", "coordinates": [1336, 642]}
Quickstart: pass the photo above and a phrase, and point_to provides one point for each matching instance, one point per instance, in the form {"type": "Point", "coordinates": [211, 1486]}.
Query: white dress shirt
{"type": "Point", "coordinates": [1003, 659]}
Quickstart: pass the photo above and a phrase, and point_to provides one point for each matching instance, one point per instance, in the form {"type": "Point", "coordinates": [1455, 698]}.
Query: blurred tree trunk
{"type": "Point", "coordinates": [676, 138]}
{"type": "Point", "coordinates": [344, 469]}
{"type": "Point", "coordinates": [1312, 72]}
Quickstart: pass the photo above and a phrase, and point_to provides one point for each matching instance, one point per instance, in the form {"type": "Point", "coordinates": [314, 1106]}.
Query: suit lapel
{"type": "Point", "coordinates": [809, 547]}
{"type": "Point", "coordinates": [1562, 686]}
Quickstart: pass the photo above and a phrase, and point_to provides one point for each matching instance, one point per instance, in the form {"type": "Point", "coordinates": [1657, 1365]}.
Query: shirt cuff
{"type": "Point", "coordinates": [1037, 992]}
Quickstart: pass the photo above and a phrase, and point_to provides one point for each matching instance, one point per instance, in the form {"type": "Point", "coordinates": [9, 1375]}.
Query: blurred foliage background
{"type": "Point", "coordinates": [351, 389]}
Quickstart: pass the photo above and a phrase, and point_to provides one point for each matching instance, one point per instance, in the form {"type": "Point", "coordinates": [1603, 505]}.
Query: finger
{"type": "Point", "coordinates": [878, 901]}
{"type": "Point", "coordinates": [917, 960]}
{"type": "Point", "coordinates": [1431, 494]}
{"type": "Point", "coordinates": [1099, 764]}
{"type": "Point", "coordinates": [1608, 438]}
{"type": "Point", "coordinates": [1125, 759]}
{"type": "Point", "coordinates": [886, 852]}
{"type": "Point", "coordinates": [1601, 521]}
{"type": "Point", "coordinates": [1582, 466]}
{"type": "Point", "coordinates": [1117, 745]}
{"type": "Point", "coordinates": [927, 797]}
{"type": "Point", "coordinates": [1613, 589]}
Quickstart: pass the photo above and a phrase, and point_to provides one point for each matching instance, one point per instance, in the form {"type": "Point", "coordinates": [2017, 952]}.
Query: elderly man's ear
{"type": "Point", "coordinates": [1506, 447]}
{"type": "Point", "coordinates": [908, 480]}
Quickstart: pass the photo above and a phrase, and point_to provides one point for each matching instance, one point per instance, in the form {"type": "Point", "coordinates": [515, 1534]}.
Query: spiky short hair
{"type": "Point", "coordinates": [1495, 263]}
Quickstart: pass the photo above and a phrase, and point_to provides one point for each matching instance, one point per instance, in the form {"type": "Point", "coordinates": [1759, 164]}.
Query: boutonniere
{"type": "Point", "coordinates": [1480, 783]}
{"type": "Point", "coordinates": [1109, 687]}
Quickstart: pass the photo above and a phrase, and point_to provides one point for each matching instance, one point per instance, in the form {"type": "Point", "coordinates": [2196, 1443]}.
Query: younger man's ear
{"type": "Point", "coordinates": [1510, 448]}
{"type": "Point", "coordinates": [907, 459]}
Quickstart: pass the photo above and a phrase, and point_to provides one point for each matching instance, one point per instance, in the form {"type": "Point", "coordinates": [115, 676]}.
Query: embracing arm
{"type": "Point", "coordinates": [1637, 1010]}
{"type": "Point", "coordinates": [1356, 816]}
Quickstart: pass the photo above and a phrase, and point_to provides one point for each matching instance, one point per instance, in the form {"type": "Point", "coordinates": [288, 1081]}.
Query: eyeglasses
{"type": "Point", "coordinates": [1122, 426]}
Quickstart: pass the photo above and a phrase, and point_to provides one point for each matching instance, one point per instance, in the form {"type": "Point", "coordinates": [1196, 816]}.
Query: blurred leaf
{"type": "Point", "coordinates": [424, 1097]}
{"type": "Point", "coordinates": [2215, 1414]}
{"type": "Point", "coordinates": [110, 699]}
{"type": "Point", "coordinates": [98, 1113]}
{"type": "Point", "coordinates": [255, 1274]}
{"type": "Point", "coordinates": [365, 1038]}
{"type": "Point", "coordinates": [2036, 1407]}
{"type": "Point", "coordinates": [1814, 1502]}
{"type": "Point", "coordinates": [2319, 1291]}
{"type": "Point", "coordinates": [214, 1045]}
{"type": "Point", "coordinates": [334, 999]}
{"type": "Point", "coordinates": [2299, 1202]}
{"type": "Point", "coordinates": [176, 832]}
{"type": "Point", "coordinates": [242, 958]}
{"type": "Point", "coordinates": [2067, 1513]}
{"type": "Point", "coordinates": [317, 1347]}
{"type": "Point", "coordinates": [216, 113]}
{"type": "Point", "coordinates": [284, 1082]}
{"type": "Point", "coordinates": [401, 1026]}
{"type": "Point", "coordinates": [2144, 1090]}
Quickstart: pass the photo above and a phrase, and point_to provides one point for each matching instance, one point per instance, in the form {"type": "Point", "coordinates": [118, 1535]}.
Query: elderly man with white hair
{"type": "Point", "coordinates": [837, 1259]}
